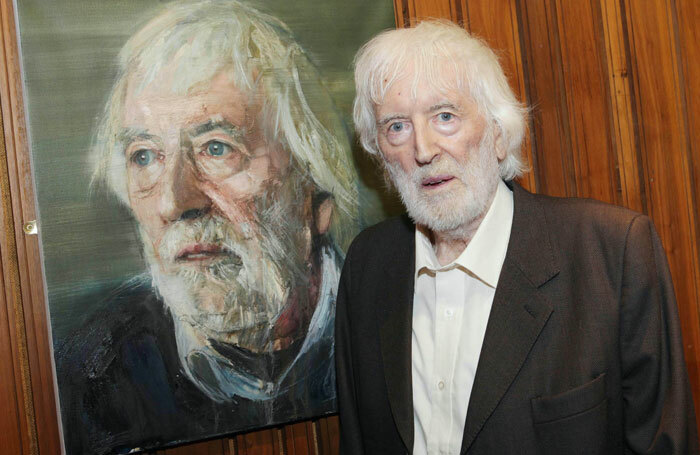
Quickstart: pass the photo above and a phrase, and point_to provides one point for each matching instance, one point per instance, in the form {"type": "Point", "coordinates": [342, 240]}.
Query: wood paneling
{"type": "Point", "coordinates": [16, 426]}
{"type": "Point", "coordinates": [621, 101]}
{"type": "Point", "coordinates": [659, 88]}
{"type": "Point", "coordinates": [501, 32]}
{"type": "Point", "coordinates": [408, 12]}
{"type": "Point", "coordinates": [314, 437]}
{"type": "Point", "coordinates": [546, 97]}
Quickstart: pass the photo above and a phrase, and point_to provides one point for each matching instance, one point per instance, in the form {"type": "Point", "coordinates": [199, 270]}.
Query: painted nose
{"type": "Point", "coordinates": [181, 198]}
{"type": "Point", "coordinates": [425, 148]}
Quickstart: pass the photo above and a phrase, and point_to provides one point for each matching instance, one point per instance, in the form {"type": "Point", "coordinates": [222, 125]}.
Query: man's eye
{"type": "Point", "coordinates": [216, 148]}
{"type": "Point", "coordinates": [445, 116]}
{"type": "Point", "coordinates": [143, 157]}
{"type": "Point", "coordinates": [396, 127]}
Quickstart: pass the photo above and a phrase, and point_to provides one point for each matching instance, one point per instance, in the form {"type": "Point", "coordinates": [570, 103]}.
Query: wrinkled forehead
{"type": "Point", "coordinates": [166, 105]}
{"type": "Point", "coordinates": [438, 73]}
{"type": "Point", "coordinates": [186, 74]}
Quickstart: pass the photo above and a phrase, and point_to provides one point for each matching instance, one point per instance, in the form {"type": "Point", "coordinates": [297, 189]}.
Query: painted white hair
{"type": "Point", "coordinates": [202, 38]}
{"type": "Point", "coordinates": [425, 51]}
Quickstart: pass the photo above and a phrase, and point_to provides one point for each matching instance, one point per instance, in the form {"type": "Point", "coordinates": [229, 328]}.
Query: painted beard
{"type": "Point", "coordinates": [454, 210]}
{"type": "Point", "coordinates": [238, 294]}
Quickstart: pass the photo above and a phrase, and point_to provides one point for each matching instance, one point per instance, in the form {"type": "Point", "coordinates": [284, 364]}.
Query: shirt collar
{"type": "Point", "coordinates": [484, 255]}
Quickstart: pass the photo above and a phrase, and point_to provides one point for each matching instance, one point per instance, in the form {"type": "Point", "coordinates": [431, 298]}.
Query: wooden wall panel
{"type": "Point", "coordinates": [568, 91]}
{"type": "Point", "coordinates": [15, 427]}
{"type": "Point", "coordinates": [546, 97]}
{"type": "Point", "coordinates": [667, 166]}
{"type": "Point", "coordinates": [408, 12]}
{"type": "Point", "coordinates": [585, 85]}
{"type": "Point", "coordinates": [623, 119]}
{"type": "Point", "coordinates": [501, 32]}
{"type": "Point", "coordinates": [688, 17]}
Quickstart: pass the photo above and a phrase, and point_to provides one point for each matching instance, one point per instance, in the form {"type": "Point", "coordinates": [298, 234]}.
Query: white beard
{"type": "Point", "coordinates": [453, 211]}
{"type": "Point", "coordinates": [238, 298]}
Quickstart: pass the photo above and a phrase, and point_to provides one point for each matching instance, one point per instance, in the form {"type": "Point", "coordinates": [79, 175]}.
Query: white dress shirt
{"type": "Point", "coordinates": [451, 306]}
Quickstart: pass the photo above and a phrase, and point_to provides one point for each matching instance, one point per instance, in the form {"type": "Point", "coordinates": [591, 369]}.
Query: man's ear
{"type": "Point", "coordinates": [499, 143]}
{"type": "Point", "coordinates": [323, 210]}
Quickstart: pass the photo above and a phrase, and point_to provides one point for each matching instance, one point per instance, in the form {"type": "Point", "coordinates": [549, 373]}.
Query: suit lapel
{"type": "Point", "coordinates": [518, 314]}
{"type": "Point", "coordinates": [394, 316]}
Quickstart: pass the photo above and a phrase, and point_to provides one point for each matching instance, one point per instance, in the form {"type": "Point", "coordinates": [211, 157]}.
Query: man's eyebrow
{"type": "Point", "coordinates": [213, 125]}
{"type": "Point", "coordinates": [384, 120]}
{"type": "Point", "coordinates": [443, 105]}
{"type": "Point", "coordinates": [128, 135]}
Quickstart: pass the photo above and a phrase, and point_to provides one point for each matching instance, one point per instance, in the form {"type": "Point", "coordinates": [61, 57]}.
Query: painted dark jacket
{"type": "Point", "coordinates": [122, 386]}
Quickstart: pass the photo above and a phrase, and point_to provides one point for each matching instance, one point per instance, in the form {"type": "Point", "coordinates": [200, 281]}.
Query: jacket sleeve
{"type": "Point", "coordinates": [350, 432]}
{"type": "Point", "coordinates": [659, 411]}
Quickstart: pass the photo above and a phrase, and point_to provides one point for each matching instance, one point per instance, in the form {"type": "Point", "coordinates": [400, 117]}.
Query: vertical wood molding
{"type": "Point", "coordinates": [401, 13]}
{"type": "Point", "coordinates": [545, 86]}
{"type": "Point", "coordinates": [585, 95]}
{"type": "Point", "coordinates": [622, 106]}
{"type": "Point", "coordinates": [17, 424]}
{"type": "Point", "coordinates": [409, 12]}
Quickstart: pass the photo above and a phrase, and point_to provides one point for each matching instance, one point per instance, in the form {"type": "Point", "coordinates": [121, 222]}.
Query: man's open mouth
{"type": "Point", "coordinates": [437, 180]}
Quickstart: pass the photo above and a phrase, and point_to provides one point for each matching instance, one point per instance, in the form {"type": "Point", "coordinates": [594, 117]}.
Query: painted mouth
{"type": "Point", "coordinates": [438, 180]}
{"type": "Point", "coordinates": [199, 252]}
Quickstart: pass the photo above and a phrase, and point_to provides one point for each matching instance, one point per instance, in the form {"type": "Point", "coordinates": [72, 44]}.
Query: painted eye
{"type": "Point", "coordinates": [445, 116]}
{"type": "Point", "coordinates": [396, 127]}
{"type": "Point", "coordinates": [143, 157]}
{"type": "Point", "coordinates": [216, 148]}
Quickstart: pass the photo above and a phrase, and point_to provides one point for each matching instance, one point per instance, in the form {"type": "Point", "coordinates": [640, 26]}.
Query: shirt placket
{"type": "Point", "coordinates": [447, 307]}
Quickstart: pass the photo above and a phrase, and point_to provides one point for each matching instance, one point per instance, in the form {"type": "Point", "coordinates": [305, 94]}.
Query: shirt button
{"type": "Point", "coordinates": [441, 385]}
{"type": "Point", "coordinates": [449, 313]}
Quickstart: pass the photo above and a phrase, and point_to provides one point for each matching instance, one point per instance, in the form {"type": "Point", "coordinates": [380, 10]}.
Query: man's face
{"type": "Point", "coordinates": [439, 154]}
{"type": "Point", "coordinates": [223, 218]}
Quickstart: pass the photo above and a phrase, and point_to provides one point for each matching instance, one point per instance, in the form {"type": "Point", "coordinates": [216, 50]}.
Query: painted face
{"type": "Point", "coordinates": [223, 218]}
{"type": "Point", "coordinates": [438, 153]}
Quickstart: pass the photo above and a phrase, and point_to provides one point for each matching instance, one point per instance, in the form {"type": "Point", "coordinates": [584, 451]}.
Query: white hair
{"type": "Point", "coordinates": [424, 51]}
{"type": "Point", "coordinates": [205, 37]}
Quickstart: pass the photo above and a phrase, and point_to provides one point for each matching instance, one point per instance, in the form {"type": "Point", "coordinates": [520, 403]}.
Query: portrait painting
{"type": "Point", "coordinates": [198, 185]}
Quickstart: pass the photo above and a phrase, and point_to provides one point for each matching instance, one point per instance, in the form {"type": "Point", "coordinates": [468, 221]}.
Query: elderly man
{"type": "Point", "coordinates": [242, 199]}
{"type": "Point", "coordinates": [494, 321]}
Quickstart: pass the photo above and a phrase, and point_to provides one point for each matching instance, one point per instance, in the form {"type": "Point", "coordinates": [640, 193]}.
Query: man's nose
{"type": "Point", "coordinates": [181, 197]}
{"type": "Point", "coordinates": [425, 147]}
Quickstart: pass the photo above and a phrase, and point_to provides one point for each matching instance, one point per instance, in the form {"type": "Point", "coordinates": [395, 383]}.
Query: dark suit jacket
{"type": "Point", "coordinates": [582, 352]}
{"type": "Point", "coordinates": [122, 386]}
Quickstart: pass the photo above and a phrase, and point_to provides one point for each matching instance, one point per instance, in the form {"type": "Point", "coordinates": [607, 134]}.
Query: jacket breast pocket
{"type": "Point", "coordinates": [572, 422]}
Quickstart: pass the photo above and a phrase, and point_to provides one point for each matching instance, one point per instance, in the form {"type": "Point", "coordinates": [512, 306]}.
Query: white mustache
{"type": "Point", "coordinates": [446, 165]}
{"type": "Point", "coordinates": [209, 230]}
